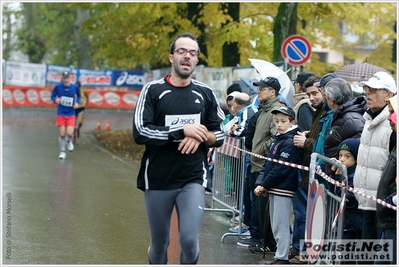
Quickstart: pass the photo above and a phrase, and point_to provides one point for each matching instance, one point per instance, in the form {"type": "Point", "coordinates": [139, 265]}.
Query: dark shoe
{"type": "Point", "coordinates": [278, 261]}
{"type": "Point", "coordinates": [292, 253]}
{"type": "Point", "coordinates": [269, 250]}
{"type": "Point", "coordinates": [256, 248]}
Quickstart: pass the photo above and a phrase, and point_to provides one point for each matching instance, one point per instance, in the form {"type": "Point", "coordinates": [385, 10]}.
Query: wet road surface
{"type": "Point", "coordinates": [85, 209]}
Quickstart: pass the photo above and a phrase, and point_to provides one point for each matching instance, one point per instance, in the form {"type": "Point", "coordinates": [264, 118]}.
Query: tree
{"type": "Point", "coordinates": [51, 31]}
{"type": "Point", "coordinates": [230, 52]}
{"type": "Point", "coordinates": [137, 35]}
{"type": "Point", "coordinates": [10, 16]}
{"type": "Point", "coordinates": [193, 10]}
{"type": "Point", "coordinates": [32, 43]}
{"type": "Point", "coordinates": [284, 26]}
{"type": "Point", "coordinates": [81, 39]}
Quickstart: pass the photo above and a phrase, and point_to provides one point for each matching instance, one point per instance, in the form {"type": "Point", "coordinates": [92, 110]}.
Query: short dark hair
{"type": "Point", "coordinates": [229, 98]}
{"type": "Point", "coordinates": [310, 81]}
{"type": "Point", "coordinates": [183, 35]}
{"type": "Point", "coordinates": [234, 87]}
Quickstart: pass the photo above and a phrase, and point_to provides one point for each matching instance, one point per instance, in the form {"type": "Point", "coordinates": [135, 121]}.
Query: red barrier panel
{"type": "Point", "coordinates": [41, 96]}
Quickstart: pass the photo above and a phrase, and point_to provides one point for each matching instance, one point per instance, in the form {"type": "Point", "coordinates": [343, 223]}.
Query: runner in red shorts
{"type": "Point", "coordinates": [64, 95]}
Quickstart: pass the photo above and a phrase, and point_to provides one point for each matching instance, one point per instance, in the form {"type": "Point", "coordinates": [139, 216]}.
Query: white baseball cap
{"type": "Point", "coordinates": [381, 80]}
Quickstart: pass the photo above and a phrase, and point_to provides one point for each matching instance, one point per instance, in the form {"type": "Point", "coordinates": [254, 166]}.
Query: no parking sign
{"type": "Point", "coordinates": [296, 49]}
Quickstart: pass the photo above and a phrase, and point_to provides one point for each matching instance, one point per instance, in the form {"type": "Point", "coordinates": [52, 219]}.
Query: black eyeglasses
{"type": "Point", "coordinates": [183, 51]}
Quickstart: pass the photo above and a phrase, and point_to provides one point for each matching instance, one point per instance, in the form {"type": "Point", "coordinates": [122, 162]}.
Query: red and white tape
{"type": "Point", "coordinates": [322, 174]}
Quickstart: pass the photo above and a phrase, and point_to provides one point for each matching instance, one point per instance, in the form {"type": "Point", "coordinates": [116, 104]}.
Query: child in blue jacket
{"type": "Point", "coordinates": [281, 181]}
{"type": "Point", "coordinates": [353, 217]}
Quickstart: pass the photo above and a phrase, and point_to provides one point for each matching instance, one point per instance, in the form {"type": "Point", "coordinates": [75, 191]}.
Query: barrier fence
{"type": "Point", "coordinates": [228, 181]}
{"type": "Point", "coordinates": [325, 210]}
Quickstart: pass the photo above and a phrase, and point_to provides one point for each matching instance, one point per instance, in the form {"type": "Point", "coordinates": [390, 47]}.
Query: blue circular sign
{"type": "Point", "coordinates": [296, 50]}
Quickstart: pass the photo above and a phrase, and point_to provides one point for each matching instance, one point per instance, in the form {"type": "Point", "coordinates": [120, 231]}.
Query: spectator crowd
{"type": "Point", "coordinates": [326, 118]}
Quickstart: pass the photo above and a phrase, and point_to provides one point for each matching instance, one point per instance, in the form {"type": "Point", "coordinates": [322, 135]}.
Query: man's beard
{"type": "Point", "coordinates": [182, 74]}
{"type": "Point", "coordinates": [319, 105]}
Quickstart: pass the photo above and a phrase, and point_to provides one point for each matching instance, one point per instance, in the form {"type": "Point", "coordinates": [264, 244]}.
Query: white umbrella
{"type": "Point", "coordinates": [268, 69]}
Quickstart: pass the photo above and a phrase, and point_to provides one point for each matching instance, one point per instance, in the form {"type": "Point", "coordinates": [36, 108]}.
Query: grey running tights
{"type": "Point", "coordinates": [189, 202]}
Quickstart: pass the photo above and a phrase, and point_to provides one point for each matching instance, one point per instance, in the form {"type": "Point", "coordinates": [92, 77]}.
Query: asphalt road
{"type": "Point", "coordinates": [85, 209]}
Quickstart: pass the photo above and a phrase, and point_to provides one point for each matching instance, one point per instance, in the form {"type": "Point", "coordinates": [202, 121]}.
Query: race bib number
{"type": "Point", "coordinates": [171, 120]}
{"type": "Point", "coordinates": [66, 101]}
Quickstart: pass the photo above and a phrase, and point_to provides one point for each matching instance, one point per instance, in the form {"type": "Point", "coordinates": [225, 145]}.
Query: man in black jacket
{"type": "Point", "coordinates": [348, 121]}
{"type": "Point", "coordinates": [386, 217]}
{"type": "Point", "coordinates": [177, 119]}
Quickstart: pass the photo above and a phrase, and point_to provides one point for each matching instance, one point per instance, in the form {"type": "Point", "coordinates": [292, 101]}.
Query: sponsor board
{"type": "Point", "coordinates": [24, 74]}
{"type": "Point", "coordinates": [129, 78]}
{"type": "Point", "coordinates": [41, 96]}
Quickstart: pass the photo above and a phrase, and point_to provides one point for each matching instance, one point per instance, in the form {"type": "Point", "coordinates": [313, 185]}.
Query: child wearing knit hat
{"type": "Point", "coordinates": [353, 217]}
{"type": "Point", "coordinates": [347, 153]}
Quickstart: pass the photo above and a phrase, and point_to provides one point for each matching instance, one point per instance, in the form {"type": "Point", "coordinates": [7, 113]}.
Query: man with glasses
{"type": "Point", "coordinates": [374, 148]}
{"type": "Point", "coordinates": [262, 138]}
{"type": "Point", "coordinates": [177, 119]}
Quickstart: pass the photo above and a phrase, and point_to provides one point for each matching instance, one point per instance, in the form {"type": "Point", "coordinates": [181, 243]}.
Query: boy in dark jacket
{"type": "Point", "coordinates": [281, 181]}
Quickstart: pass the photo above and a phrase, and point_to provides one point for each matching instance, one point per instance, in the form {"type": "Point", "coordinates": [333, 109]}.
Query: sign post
{"type": "Point", "coordinates": [296, 50]}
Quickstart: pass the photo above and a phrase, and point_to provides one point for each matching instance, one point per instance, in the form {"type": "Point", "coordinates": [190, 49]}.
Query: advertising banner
{"type": "Point", "coordinates": [129, 78]}
{"type": "Point", "coordinates": [27, 96]}
{"type": "Point", "coordinates": [41, 96]}
{"type": "Point", "coordinates": [89, 77]}
{"type": "Point", "coordinates": [112, 99]}
{"type": "Point", "coordinates": [24, 74]}
{"type": "Point", "coordinates": [54, 72]}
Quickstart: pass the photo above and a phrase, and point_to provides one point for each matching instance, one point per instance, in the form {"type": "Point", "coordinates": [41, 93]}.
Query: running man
{"type": "Point", "coordinates": [64, 95]}
{"type": "Point", "coordinates": [80, 112]}
{"type": "Point", "coordinates": [176, 118]}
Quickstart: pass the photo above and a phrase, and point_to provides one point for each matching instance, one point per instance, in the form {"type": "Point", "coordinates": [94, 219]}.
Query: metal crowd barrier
{"type": "Point", "coordinates": [228, 181]}
{"type": "Point", "coordinates": [332, 204]}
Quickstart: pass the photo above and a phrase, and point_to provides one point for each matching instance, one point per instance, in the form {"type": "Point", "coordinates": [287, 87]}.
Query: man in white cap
{"type": "Point", "coordinates": [374, 148]}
